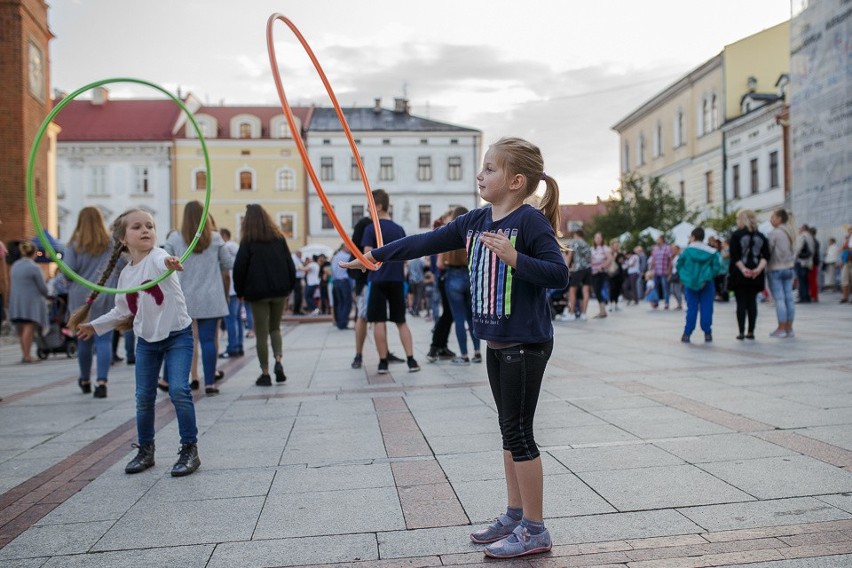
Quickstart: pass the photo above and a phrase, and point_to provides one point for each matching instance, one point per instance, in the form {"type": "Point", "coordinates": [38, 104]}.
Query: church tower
{"type": "Point", "coordinates": [24, 103]}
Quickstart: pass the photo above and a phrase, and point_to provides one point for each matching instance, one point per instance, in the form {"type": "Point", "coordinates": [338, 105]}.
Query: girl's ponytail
{"type": "Point", "coordinates": [81, 314]}
{"type": "Point", "coordinates": [550, 202]}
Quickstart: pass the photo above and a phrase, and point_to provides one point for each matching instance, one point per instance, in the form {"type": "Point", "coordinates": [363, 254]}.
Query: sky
{"type": "Point", "coordinates": [559, 73]}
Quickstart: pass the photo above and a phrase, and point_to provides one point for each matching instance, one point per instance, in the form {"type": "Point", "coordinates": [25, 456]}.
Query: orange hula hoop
{"type": "Point", "coordinates": [291, 120]}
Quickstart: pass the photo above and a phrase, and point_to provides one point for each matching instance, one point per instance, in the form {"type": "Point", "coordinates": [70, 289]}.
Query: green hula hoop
{"type": "Point", "coordinates": [31, 202]}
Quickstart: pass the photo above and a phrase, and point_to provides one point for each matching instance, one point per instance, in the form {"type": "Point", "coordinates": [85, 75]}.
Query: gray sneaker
{"type": "Point", "coordinates": [498, 530]}
{"type": "Point", "coordinates": [520, 543]}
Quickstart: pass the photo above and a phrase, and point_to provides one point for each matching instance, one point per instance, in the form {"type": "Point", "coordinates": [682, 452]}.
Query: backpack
{"type": "Point", "coordinates": [805, 253]}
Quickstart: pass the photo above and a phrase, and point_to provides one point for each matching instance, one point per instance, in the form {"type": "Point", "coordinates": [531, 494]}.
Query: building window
{"type": "Point", "coordinates": [98, 186]}
{"type": "Point", "coordinates": [141, 180]}
{"type": "Point", "coordinates": [658, 140]}
{"type": "Point", "coordinates": [773, 169]}
{"type": "Point", "coordinates": [708, 185]}
{"type": "Point", "coordinates": [245, 130]}
{"type": "Point", "coordinates": [326, 141]}
{"type": "Point", "coordinates": [454, 168]}
{"type": "Point", "coordinates": [246, 180]}
{"type": "Point", "coordinates": [640, 150]}
{"type": "Point", "coordinates": [454, 141]}
{"type": "Point", "coordinates": [678, 129]}
{"type": "Point", "coordinates": [736, 180]}
{"type": "Point", "coordinates": [326, 220]}
{"type": "Point", "coordinates": [424, 141]}
{"type": "Point", "coordinates": [682, 191]}
{"type": "Point", "coordinates": [714, 112]}
{"type": "Point", "coordinates": [286, 223]}
{"type": "Point", "coordinates": [283, 130]}
{"type": "Point", "coordinates": [386, 142]}
{"type": "Point", "coordinates": [354, 172]}
{"type": "Point", "coordinates": [424, 168]}
{"type": "Point", "coordinates": [386, 168]}
{"type": "Point", "coordinates": [705, 117]}
{"type": "Point", "coordinates": [625, 159]}
{"type": "Point", "coordinates": [199, 182]}
{"type": "Point", "coordinates": [425, 216]}
{"type": "Point", "coordinates": [327, 169]}
{"type": "Point", "coordinates": [357, 215]}
{"type": "Point", "coordinates": [205, 127]}
{"type": "Point", "coordinates": [755, 181]}
{"type": "Point", "coordinates": [285, 180]}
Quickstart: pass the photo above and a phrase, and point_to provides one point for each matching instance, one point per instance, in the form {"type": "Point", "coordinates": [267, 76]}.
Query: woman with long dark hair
{"type": "Point", "coordinates": [264, 275]}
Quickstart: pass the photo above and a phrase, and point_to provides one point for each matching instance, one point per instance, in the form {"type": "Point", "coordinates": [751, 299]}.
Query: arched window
{"type": "Point", "coordinates": [199, 180]}
{"type": "Point", "coordinates": [245, 180]}
{"type": "Point", "coordinates": [705, 117]}
{"type": "Point", "coordinates": [285, 180]}
{"type": "Point", "coordinates": [678, 129]}
{"type": "Point", "coordinates": [714, 112]}
{"type": "Point", "coordinates": [245, 130]}
{"type": "Point", "coordinates": [625, 159]}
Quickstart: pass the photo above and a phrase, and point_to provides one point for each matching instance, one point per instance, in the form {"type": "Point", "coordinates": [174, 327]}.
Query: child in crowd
{"type": "Point", "coordinates": [514, 258]}
{"type": "Point", "coordinates": [163, 330]}
{"type": "Point", "coordinates": [697, 266]}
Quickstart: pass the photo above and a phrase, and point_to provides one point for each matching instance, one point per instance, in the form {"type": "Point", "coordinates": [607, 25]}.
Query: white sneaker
{"type": "Point", "coordinates": [583, 317]}
{"type": "Point", "coordinates": [567, 317]}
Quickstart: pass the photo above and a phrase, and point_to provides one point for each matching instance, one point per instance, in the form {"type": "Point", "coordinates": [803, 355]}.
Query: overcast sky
{"type": "Point", "coordinates": [557, 72]}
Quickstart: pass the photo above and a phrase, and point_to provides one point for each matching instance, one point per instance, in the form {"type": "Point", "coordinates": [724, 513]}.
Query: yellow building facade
{"type": "Point", "coordinates": [677, 135]}
{"type": "Point", "coordinates": [253, 159]}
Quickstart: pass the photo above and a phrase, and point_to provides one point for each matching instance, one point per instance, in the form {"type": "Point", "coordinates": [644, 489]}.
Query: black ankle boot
{"type": "Point", "coordinates": [280, 377]}
{"type": "Point", "coordinates": [143, 460]}
{"type": "Point", "coordinates": [188, 460]}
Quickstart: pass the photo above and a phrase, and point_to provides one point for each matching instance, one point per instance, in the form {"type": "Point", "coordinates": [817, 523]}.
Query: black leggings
{"type": "Point", "coordinates": [746, 306]}
{"type": "Point", "coordinates": [515, 375]}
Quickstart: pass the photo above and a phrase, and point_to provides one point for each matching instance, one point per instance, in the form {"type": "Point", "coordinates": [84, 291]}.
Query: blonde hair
{"type": "Point", "coordinates": [517, 156]}
{"type": "Point", "coordinates": [90, 236]}
{"type": "Point", "coordinates": [27, 249]}
{"type": "Point", "coordinates": [746, 219]}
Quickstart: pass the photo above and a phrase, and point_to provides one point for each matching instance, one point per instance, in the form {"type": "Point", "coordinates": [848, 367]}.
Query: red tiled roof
{"type": "Point", "coordinates": [117, 120]}
{"type": "Point", "coordinates": [224, 114]}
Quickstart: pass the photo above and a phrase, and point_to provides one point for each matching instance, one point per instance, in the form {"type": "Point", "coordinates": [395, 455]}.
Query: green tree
{"type": "Point", "coordinates": [641, 203]}
{"type": "Point", "coordinates": [724, 224]}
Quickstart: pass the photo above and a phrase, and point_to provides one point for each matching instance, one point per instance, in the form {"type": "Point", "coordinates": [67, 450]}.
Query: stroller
{"type": "Point", "coordinates": [56, 338]}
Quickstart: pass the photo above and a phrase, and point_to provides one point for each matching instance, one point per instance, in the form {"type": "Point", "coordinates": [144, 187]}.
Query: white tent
{"type": "Point", "coordinates": [316, 249]}
{"type": "Point", "coordinates": [622, 238]}
{"type": "Point", "coordinates": [650, 231]}
{"type": "Point", "coordinates": [680, 233]}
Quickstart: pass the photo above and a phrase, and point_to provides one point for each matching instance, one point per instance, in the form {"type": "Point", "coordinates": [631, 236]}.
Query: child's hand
{"type": "Point", "coordinates": [85, 331]}
{"type": "Point", "coordinates": [356, 264]}
{"type": "Point", "coordinates": [173, 263]}
{"type": "Point", "coordinates": [500, 244]}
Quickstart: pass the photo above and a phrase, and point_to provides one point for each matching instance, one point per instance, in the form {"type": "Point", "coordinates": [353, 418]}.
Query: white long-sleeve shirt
{"type": "Point", "coordinates": [159, 310]}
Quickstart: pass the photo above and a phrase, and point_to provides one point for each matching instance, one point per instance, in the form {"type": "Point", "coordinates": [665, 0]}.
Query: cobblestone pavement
{"type": "Point", "coordinates": [656, 455]}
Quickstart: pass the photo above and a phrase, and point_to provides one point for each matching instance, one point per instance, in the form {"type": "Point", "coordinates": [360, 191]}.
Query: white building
{"type": "Point", "coordinates": [114, 155]}
{"type": "Point", "coordinates": [754, 152]}
{"type": "Point", "coordinates": [425, 166]}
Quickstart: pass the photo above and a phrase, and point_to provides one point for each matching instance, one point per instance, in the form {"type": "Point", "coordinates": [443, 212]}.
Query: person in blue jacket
{"type": "Point", "coordinates": [697, 265]}
{"type": "Point", "coordinates": [513, 258]}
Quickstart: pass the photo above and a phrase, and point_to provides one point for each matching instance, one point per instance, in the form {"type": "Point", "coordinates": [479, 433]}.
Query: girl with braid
{"type": "Point", "coordinates": [88, 253]}
{"type": "Point", "coordinates": [513, 258]}
{"type": "Point", "coordinates": [164, 332]}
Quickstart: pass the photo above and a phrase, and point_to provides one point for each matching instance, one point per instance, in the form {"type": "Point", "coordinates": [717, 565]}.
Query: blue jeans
{"type": "Point", "coordinates": [661, 283]}
{"type": "Point", "coordinates": [342, 294]}
{"type": "Point", "coordinates": [129, 345]}
{"type": "Point", "coordinates": [781, 286]}
{"type": "Point", "coordinates": [234, 327]}
{"type": "Point", "coordinates": [457, 285]}
{"type": "Point", "coordinates": [699, 301]}
{"type": "Point", "coordinates": [207, 329]}
{"type": "Point", "coordinates": [311, 305]}
{"type": "Point", "coordinates": [176, 349]}
{"type": "Point", "coordinates": [101, 345]}
{"type": "Point", "coordinates": [249, 317]}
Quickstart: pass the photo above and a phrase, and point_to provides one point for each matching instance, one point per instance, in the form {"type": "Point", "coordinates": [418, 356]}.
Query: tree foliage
{"type": "Point", "coordinates": [640, 203]}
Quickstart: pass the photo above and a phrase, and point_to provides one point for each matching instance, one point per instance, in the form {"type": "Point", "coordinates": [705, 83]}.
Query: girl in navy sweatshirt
{"type": "Point", "coordinates": [513, 258]}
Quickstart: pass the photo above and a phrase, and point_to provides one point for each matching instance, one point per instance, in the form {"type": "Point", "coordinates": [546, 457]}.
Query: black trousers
{"type": "Point", "coordinates": [441, 331]}
{"type": "Point", "coordinates": [746, 307]}
{"type": "Point", "coordinates": [515, 376]}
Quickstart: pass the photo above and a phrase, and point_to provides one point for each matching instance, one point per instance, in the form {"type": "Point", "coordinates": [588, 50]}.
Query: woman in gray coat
{"type": "Point", "coordinates": [27, 300]}
{"type": "Point", "coordinates": [88, 252]}
{"type": "Point", "coordinates": [203, 283]}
